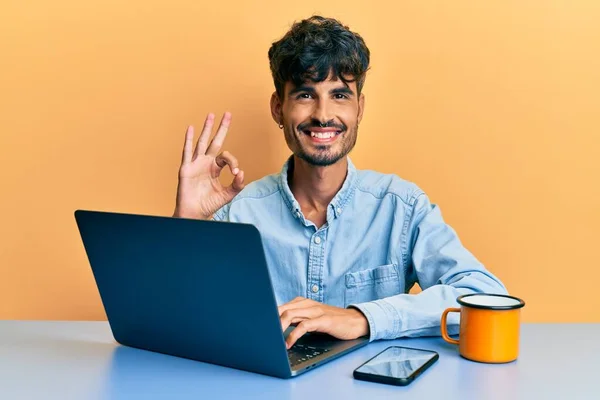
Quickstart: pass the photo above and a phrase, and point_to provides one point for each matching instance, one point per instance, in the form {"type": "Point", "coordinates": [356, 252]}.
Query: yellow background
{"type": "Point", "coordinates": [492, 107]}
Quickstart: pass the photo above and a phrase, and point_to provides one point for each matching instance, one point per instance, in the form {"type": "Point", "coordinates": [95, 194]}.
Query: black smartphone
{"type": "Point", "coordinates": [396, 365]}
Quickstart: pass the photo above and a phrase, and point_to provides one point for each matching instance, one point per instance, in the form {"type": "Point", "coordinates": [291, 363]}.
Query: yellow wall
{"type": "Point", "coordinates": [491, 107]}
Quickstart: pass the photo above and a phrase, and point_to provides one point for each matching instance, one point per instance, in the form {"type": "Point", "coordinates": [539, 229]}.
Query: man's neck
{"type": "Point", "coordinates": [314, 187]}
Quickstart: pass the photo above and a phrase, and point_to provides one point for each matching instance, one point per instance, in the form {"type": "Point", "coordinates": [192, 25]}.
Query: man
{"type": "Point", "coordinates": [343, 246]}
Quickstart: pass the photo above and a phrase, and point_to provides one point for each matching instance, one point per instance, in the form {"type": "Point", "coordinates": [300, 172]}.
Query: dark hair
{"type": "Point", "coordinates": [315, 47]}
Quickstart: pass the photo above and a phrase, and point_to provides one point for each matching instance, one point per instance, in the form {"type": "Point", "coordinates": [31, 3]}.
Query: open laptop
{"type": "Point", "coordinates": [195, 289]}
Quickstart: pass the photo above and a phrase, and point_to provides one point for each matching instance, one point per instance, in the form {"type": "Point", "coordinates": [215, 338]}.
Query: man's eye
{"type": "Point", "coordinates": [304, 96]}
{"type": "Point", "coordinates": [341, 96]}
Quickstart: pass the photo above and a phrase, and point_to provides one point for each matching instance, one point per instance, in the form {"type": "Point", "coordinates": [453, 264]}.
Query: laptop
{"type": "Point", "coordinates": [196, 289]}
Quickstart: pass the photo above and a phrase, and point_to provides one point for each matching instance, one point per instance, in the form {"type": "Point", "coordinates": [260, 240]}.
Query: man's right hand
{"type": "Point", "coordinates": [199, 191]}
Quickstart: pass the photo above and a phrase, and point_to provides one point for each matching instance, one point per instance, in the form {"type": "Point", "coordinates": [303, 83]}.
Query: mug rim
{"type": "Point", "coordinates": [521, 303]}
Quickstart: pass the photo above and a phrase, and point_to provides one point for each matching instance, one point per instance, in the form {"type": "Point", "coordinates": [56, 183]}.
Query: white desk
{"type": "Point", "coordinates": [80, 360]}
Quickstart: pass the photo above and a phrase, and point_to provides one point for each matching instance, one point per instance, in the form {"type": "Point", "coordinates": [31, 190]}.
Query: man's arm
{"type": "Point", "coordinates": [444, 269]}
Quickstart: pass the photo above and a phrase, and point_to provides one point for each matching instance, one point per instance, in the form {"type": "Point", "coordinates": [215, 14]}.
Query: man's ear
{"type": "Point", "coordinates": [276, 107]}
{"type": "Point", "coordinates": [361, 106]}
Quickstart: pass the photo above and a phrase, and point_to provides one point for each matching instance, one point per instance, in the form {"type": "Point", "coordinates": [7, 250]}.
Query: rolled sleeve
{"type": "Point", "coordinates": [444, 269]}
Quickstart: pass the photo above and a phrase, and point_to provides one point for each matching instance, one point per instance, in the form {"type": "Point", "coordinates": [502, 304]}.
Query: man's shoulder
{"type": "Point", "coordinates": [253, 191]}
{"type": "Point", "coordinates": [380, 185]}
{"type": "Point", "coordinates": [260, 188]}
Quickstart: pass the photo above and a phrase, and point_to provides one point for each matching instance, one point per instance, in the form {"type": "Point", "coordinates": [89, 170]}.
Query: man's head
{"type": "Point", "coordinates": [319, 70]}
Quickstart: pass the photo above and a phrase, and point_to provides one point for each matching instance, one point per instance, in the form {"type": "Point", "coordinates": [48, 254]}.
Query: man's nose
{"type": "Point", "coordinates": [322, 113]}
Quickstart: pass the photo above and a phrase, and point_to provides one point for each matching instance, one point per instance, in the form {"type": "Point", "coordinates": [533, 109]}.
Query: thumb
{"type": "Point", "coordinates": [236, 185]}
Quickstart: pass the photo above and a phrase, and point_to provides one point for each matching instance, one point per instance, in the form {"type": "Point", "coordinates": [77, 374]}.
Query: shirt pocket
{"type": "Point", "coordinates": [373, 284]}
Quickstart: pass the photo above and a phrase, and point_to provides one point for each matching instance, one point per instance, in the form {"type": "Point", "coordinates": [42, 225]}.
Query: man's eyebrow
{"type": "Point", "coordinates": [302, 88]}
{"type": "Point", "coordinates": [342, 90]}
{"type": "Point", "coordinates": [310, 89]}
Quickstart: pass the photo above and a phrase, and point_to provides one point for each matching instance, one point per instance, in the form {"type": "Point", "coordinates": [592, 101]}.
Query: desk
{"type": "Point", "coordinates": [80, 360]}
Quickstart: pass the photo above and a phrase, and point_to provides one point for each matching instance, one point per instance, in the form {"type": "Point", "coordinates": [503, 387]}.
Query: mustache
{"type": "Point", "coordinates": [316, 124]}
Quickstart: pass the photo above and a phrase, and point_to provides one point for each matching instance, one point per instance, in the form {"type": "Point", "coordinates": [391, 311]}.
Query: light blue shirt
{"type": "Point", "coordinates": [382, 236]}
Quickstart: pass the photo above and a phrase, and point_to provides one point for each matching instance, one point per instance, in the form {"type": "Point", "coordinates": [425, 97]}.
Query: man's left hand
{"type": "Point", "coordinates": [312, 316]}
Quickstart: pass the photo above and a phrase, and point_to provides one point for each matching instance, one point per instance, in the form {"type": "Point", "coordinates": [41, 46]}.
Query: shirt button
{"type": "Point", "coordinates": [317, 241]}
{"type": "Point", "coordinates": [315, 288]}
{"type": "Point", "coordinates": [339, 210]}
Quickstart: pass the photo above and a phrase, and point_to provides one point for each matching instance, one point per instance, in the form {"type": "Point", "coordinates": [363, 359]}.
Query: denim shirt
{"type": "Point", "coordinates": [382, 235]}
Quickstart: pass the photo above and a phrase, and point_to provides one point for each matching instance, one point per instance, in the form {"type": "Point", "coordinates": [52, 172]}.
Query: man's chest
{"type": "Point", "coordinates": [342, 263]}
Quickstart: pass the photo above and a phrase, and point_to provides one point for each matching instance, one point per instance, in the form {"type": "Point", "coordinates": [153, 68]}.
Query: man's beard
{"type": "Point", "coordinates": [323, 156]}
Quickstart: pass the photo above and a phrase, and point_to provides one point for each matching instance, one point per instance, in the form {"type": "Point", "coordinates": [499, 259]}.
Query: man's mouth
{"type": "Point", "coordinates": [322, 135]}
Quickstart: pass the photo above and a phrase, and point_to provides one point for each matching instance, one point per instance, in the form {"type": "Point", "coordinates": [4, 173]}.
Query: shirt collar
{"type": "Point", "coordinates": [337, 204]}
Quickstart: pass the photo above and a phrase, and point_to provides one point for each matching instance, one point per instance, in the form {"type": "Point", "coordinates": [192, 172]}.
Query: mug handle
{"type": "Point", "coordinates": [444, 326]}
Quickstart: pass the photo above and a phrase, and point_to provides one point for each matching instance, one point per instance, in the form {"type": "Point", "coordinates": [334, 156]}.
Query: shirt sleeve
{"type": "Point", "coordinates": [222, 214]}
{"type": "Point", "coordinates": [444, 269]}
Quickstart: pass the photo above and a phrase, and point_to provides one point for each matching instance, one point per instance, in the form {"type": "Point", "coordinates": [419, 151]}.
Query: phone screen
{"type": "Point", "coordinates": [397, 362]}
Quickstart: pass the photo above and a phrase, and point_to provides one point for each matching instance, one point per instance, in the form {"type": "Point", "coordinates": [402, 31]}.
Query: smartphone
{"type": "Point", "coordinates": [396, 365]}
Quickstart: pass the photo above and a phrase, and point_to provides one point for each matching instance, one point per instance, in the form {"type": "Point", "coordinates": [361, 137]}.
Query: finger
{"type": "Point", "coordinates": [186, 156]}
{"type": "Point", "coordinates": [294, 300]}
{"type": "Point", "coordinates": [226, 158]}
{"type": "Point", "coordinates": [236, 186]}
{"type": "Point", "coordinates": [205, 135]}
{"type": "Point", "coordinates": [305, 313]}
{"type": "Point", "coordinates": [320, 324]}
{"type": "Point", "coordinates": [296, 321]}
{"type": "Point", "coordinates": [297, 299]}
{"type": "Point", "coordinates": [238, 183]}
{"type": "Point", "coordinates": [300, 303]}
{"type": "Point", "coordinates": [217, 142]}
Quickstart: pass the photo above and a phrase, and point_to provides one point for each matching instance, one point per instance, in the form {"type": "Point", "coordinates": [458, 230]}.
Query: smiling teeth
{"type": "Point", "coordinates": [322, 135]}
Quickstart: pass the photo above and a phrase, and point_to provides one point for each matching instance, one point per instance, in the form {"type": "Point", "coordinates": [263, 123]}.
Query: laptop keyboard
{"type": "Point", "coordinates": [300, 353]}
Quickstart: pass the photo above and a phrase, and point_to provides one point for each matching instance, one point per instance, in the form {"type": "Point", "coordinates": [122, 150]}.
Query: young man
{"type": "Point", "coordinates": [343, 246]}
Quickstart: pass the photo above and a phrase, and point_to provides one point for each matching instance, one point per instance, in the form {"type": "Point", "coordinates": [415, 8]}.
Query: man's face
{"type": "Point", "coordinates": [303, 111]}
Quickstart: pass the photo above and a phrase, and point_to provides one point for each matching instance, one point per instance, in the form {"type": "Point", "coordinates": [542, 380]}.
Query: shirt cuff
{"type": "Point", "coordinates": [219, 215]}
{"type": "Point", "coordinates": [381, 316]}
{"type": "Point", "coordinates": [389, 322]}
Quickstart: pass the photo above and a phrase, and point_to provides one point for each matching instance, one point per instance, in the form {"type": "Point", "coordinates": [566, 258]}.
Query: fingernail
{"type": "Point", "coordinates": [236, 170]}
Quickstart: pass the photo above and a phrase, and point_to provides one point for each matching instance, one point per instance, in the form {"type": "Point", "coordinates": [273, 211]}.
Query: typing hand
{"type": "Point", "coordinates": [312, 316]}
